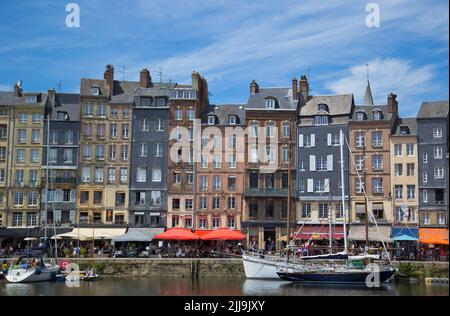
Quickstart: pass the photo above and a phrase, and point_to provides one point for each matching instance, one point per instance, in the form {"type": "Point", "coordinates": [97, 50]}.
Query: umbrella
{"type": "Point", "coordinates": [29, 238]}
{"type": "Point", "coordinates": [177, 234]}
{"type": "Point", "coordinates": [223, 234]}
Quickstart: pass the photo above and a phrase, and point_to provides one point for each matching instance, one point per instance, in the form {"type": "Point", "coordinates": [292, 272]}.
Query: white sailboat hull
{"type": "Point", "coordinates": [31, 275]}
{"type": "Point", "coordinates": [261, 268]}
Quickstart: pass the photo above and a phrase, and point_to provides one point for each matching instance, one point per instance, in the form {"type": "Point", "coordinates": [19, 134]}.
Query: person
{"type": "Point", "coordinates": [5, 266]}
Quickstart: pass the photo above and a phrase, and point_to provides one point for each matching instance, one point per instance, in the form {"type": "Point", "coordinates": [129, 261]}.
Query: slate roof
{"type": "Point", "coordinates": [339, 104]}
{"type": "Point", "coordinates": [223, 111]}
{"type": "Point", "coordinates": [6, 97]}
{"type": "Point", "coordinates": [67, 102]}
{"type": "Point", "coordinates": [435, 109]}
{"type": "Point", "coordinates": [282, 95]}
{"type": "Point", "coordinates": [410, 123]}
{"type": "Point", "coordinates": [369, 110]}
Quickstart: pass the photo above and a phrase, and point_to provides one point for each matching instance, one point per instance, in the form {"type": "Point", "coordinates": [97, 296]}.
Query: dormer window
{"type": "Point", "coordinates": [361, 116]}
{"type": "Point", "coordinates": [270, 103]}
{"type": "Point", "coordinates": [146, 101]}
{"type": "Point", "coordinates": [322, 107]}
{"type": "Point", "coordinates": [95, 90]}
{"type": "Point", "coordinates": [211, 120]}
{"type": "Point", "coordinates": [62, 116]}
{"type": "Point", "coordinates": [377, 115]}
{"type": "Point", "coordinates": [30, 99]}
{"type": "Point", "coordinates": [404, 130]}
{"type": "Point", "coordinates": [160, 102]}
{"type": "Point", "coordinates": [232, 120]}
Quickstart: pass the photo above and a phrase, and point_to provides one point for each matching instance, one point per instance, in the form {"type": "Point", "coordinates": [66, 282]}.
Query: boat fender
{"type": "Point", "coordinates": [38, 271]}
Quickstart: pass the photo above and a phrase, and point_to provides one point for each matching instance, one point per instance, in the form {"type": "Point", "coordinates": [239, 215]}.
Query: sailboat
{"type": "Point", "coordinates": [325, 269]}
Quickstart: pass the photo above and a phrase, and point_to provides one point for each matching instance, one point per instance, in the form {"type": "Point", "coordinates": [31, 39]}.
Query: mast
{"type": "Point", "coordinates": [343, 191]}
{"type": "Point", "coordinates": [288, 217]}
{"type": "Point", "coordinates": [46, 177]}
{"type": "Point", "coordinates": [330, 217]}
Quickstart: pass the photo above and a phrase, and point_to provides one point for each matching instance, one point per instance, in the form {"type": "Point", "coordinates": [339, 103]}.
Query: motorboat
{"type": "Point", "coordinates": [27, 270]}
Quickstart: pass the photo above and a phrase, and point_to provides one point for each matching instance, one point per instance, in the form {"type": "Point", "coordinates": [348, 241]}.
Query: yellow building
{"type": "Point", "coordinates": [404, 173]}
{"type": "Point", "coordinates": [5, 125]}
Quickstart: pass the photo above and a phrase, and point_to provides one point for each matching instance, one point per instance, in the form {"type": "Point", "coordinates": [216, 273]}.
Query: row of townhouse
{"type": "Point", "coordinates": [149, 154]}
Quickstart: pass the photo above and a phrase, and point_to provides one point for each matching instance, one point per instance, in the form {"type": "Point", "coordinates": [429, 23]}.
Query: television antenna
{"type": "Point", "coordinates": [123, 67]}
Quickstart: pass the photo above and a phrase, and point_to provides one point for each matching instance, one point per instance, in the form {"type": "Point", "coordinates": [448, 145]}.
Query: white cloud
{"type": "Point", "coordinates": [387, 75]}
{"type": "Point", "coordinates": [5, 87]}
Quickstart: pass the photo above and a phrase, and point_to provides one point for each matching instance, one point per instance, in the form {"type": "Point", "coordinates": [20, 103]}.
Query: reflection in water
{"type": "Point", "coordinates": [214, 287]}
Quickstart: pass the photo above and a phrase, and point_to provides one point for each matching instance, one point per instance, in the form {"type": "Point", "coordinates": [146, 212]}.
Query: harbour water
{"type": "Point", "coordinates": [111, 286]}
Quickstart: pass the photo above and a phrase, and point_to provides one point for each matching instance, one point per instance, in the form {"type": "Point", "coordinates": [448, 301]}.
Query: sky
{"type": "Point", "coordinates": [231, 43]}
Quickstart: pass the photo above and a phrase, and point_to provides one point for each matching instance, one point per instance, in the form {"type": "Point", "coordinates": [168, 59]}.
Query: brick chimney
{"type": "Point", "coordinates": [145, 80]}
{"type": "Point", "coordinates": [109, 77]}
{"type": "Point", "coordinates": [195, 80]}
{"type": "Point", "coordinates": [392, 103]}
{"type": "Point", "coordinates": [304, 88]}
{"type": "Point", "coordinates": [294, 89]}
{"type": "Point", "coordinates": [254, 88]}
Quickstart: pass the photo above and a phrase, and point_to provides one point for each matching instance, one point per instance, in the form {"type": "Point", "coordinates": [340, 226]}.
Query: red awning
{"type": "Point", "coordinates": [202, 232]}
{"type": "Point", "coordinates": [320, 232]}
{"type": "Point", "coordinates": [177, 234]}
{"type": "Point", "coordinates": [223, 234]}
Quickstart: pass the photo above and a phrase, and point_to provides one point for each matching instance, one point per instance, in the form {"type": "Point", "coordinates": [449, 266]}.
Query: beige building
{"type": "Point", "coordinates": [404, 172]}
{"type": "Point", "coordinates": [5, 126]}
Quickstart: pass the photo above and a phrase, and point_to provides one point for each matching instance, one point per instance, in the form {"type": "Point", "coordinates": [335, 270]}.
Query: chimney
{"type": "Point", "coordinates": [145, 80]}
{"type": "Point", "coordinates": [392, 103]}
{"type": "Point", "coordinates": [304, 88]}
{"type": "Point", "coordinates": [254, 88]}
{"type": "Point", "coordinates": [294, 89]}
{"type": "Point", "coordinates": [18, 89]}
{"type": "Point", "coordinates": [109, 77]}
{"type": "Point", "coordinates": [195, 80]}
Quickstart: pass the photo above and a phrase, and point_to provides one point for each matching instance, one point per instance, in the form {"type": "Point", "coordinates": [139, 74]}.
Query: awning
{"type": "Point", "coordinates": [359, 233]}
{"type": "Point", "coordinates": [405, 233]}
{"type": "Point", "coordinates": [435, 236]}
{"type": "Point", "coordinates": [138, 234]}
{"type": "Point", "coordinates": [177, 234]}
{"type": "Point", "coordinates": [87, 233]}
{"type": "Point", "coordinates": [224, 234]}
{"type": "Point", "coordinates": [320, 232]}
{"type": "Point", "coordinates": [31, 232]}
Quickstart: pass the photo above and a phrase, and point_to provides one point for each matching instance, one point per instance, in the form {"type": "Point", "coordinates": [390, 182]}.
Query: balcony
{"type": "Point", "coordinates": [61, 180]}
{"type": "Point", "coordinates": [265, 192]}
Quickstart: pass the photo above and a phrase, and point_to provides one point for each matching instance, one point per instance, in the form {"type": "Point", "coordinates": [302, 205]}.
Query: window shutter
{"type": "Point", "coordinates": [310, 185]}
{"type": "Point", "coordinates": [329, 139]}
{"type": "Point", "coordinates": [327, 185]}
{"type": "Point", "coordinates": [330, 162]}
{"type": "Point", "coordinates": [300, 140]}
{"type": "Point", "coordinates": [72, 216]}
{"type": "Point", "coordinates": [313, 140]}
{"type": "Point", "coordinates": [312, 163]}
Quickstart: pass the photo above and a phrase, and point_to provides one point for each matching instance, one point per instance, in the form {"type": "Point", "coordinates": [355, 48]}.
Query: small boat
{"type": "Point", "coordinates": [24, 271]}
{"type": "Point", "coordinates": [90, 277]}
{"type": "Point", "coordinates": [259, 266]}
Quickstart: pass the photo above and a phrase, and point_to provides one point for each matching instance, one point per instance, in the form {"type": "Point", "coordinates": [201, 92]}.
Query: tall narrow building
{"type": "Point", "coordinates": [320, 122]}
{"type": "Point", "coordinates": [270, 116]}
{"type": "Point", "coordinates": [6, 125]}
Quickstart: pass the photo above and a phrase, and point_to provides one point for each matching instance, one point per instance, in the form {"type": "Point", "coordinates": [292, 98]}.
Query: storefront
{"type": "Point", "coordinates": [433, 244]}
{"type": "Point", "coordinates": [376, 237]}
{"type": "Point", "coordinates": [317, 238]}
{"type": "Point", "coordinates": [405, 242]}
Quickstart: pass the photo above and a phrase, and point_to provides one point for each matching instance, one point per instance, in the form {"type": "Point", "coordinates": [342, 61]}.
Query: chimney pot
{"type": "Point", "coordinates": [145, 80]}
{"type": "Point", "coordinates": [294, 89]}
{"type": "Point", "coordinates": [254, 88]}
{"type": "Point", "coordinates": [109, 77]}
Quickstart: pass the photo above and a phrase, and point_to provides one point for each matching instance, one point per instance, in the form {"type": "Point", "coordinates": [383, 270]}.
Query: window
{"type": "Point", "coordinates": [2, 153]}
{"type": "Point", "coordinates": [124, 152]}
{"type": "Point", "coordinates": [160, 126]}
{"type": "Point", "coordinates": [101, 110]}
{"type": "Point", "coordinates": [18, 198]}
{"type": "Point", "coordinates": [339, 210]}
{"type": "Point", "coordinates": [68, 155]}
{"type": "Point", "coordinates": [204, 162]}
{"type": "Point", "coordinates": [143, 150]}
{"type": "Point", "coordinates": [319, 185]}
{"type": "Point", "coordinates": [424, 177]}
{"type": "Point", "coordinates": [99, 174]}
{"type": "Point", "coordinates": [425, 196]}
{"type": "Point", "coordinates": [377, 162]}
{"type": "Point", "coordinates": [216, 222]}
{"type": "Point", "coordinates": [398, 192]}
{"type": "Point", "coordinates": [439, 196]}
{"type": "Point", "coordinates": [203, 183]}
{"type": "Point", "coordinates": [270, 154]}
{"type": "Point", "coordinates": [125, 130]}
{"type": "Point", "coordinates": [34, 155]}
{"type": "Point", "coordinates": [87, 130]}
{"type": "Point", "coordinates": [231, 222]}
{"type": "Point", "coordinates": [269, 181]}
{"type": "Point", "coordinates": [285, 154]}
{"type": "Point", "coordinates": [23, 118]}
{"type": "Point", "coordinates": [32, 198]}
{"type": "Point", "coordinates": [202, 222]}
{"type": "Point", "coordinates": [190, 113]}
{"type": "Point", "coordinates": [437, 132]}
{"type": "Point", "coordinates": [411, 191]}
{"type": "Point", "coordinates": [98, 197]}
{"type": "Point", "coordinates": [253, 209]}
{"type": "Point", "coordinates": [323, 210]}
{"type": "Point", "coordinates": [321, 163]}
{"type": "Point", "coordinates": [84, 197]}
{"type": "Point", "coordinates": [126, 113]}
{"type": "Point", "coordinates": [141, 175]}
{"type": "Point", "coordinates": [360, 116]}
{"type": "Point", "coordinates": [231, 202]}
{"type": "Point", "coordinates": [253, 129]}
{"type": "Point", "coordinates": [377, 139]}
{"type": "Point", "coordinates": [398, 169]}
{"type": "Point", "coordinates": [17, 219]}
{"type": "Point", "coordinates": [410, 169]}
{"type": "Point", "coordinates": [377, 185]}
{"type": "Point", "coordinates": [123, 175]}
{"type": "Point", "coordinates": [438, 172]}
{"type": "Point", "coordinates": [21, 135]}
{"type": "Point", "coordinates": [156, 175]}
{"type": "Point", "coordinates": [155, 198]}
{"type": "Point", "coordinates": [101, 131]}
{"type": "Point", "coordinates": [88, 109]}
{"type": "Point", "coordinates": [232, 120]}
{"type": "Point", "coordinates": [425, 158]}
{"type": "Point", "coordinates": [426, 218]}
{"type": "Point", "coordinates": [2, 175]}
{"type": "Point", "coordinates": [216, 183]}
{"type": "Point", "coordinates": [120, 198]}
{"type": "Point", "coordinates": [100, 152]}
{"type": "Point", "coordinates": [377, 115]}
{"type": "Point", "coordinates": [85, 174]}
{"type": "Point", "coordinates": [253, 154]}
{"type": "Point", "coordinates": [37, 117]}
{"type": "Point", "coordinates": [232, 161]}
{"type": "Point", "coordinates": [20, 155]}
{"type": "Point", "coordinates": [217, 161]}
{"type": "Point", "coordinates": [68, 137]}
{"type": "Point", "coordinates": [177, 177]}
{"type": "Point", "coordinates": [437, 152]}
{"type": "Point", "coordinates": [112, 152]}
{"type": "Point", "coordinates": [145, 126]}
{"type": "Point", "coordinates": [398, 150]}
{"type": "Point", "coordinates": [188, 204]}
{"type": "Point", "coordinates": [410, 149]}
{"type": "Point", "coordinates": [231, 183]}
{"type": "Point", "coordinates": [31, 219]}
{"type": "Point", "coordinates": [113, 130]}
{"type": "Point", "coordinates": [270, 130]}
{"type": "Point", "coordinates": [306, 210]}
{"type": "Point", "coordinates": [270, 104]}
{"type": "Point", "coordinates": [203, 202]}
{"type": "Point", "coordinates": [178, 114]}
{"type": "Point", "coordinates": [216, 202]}
{"type": "Point", "coordinates": [158, 150]}
{"type": "Point", "coordinates": [253, 180]}
{"type": "Point", "coordinates": [211, 120]}
{"type": "Point", "coordinates": [140, 198]}
{"type": "Point", "coordinates": [359, 139]}
{"type": "Point", "coordinates": [359, 159]}
{"type": "Point", "coordinates": [111, 175]}
{"type": "Point", "coordinates": [321, 120]}
{"type": "Point", "coordinates": [441, 219]}
{"type": "Point", "coordinates": [269, 208]}
{"type": "Point", "coordinates": [189, 178]}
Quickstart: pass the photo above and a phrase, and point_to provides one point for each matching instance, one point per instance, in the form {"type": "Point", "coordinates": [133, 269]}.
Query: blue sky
{"type": "Point", "coordinates": [232, 42]}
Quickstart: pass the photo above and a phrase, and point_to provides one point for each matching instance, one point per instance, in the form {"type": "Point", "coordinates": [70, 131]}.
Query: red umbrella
{"type": "Point", "coordinates": [223, 234]}
{"type": "Point", "coordinates": [177, 234]}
